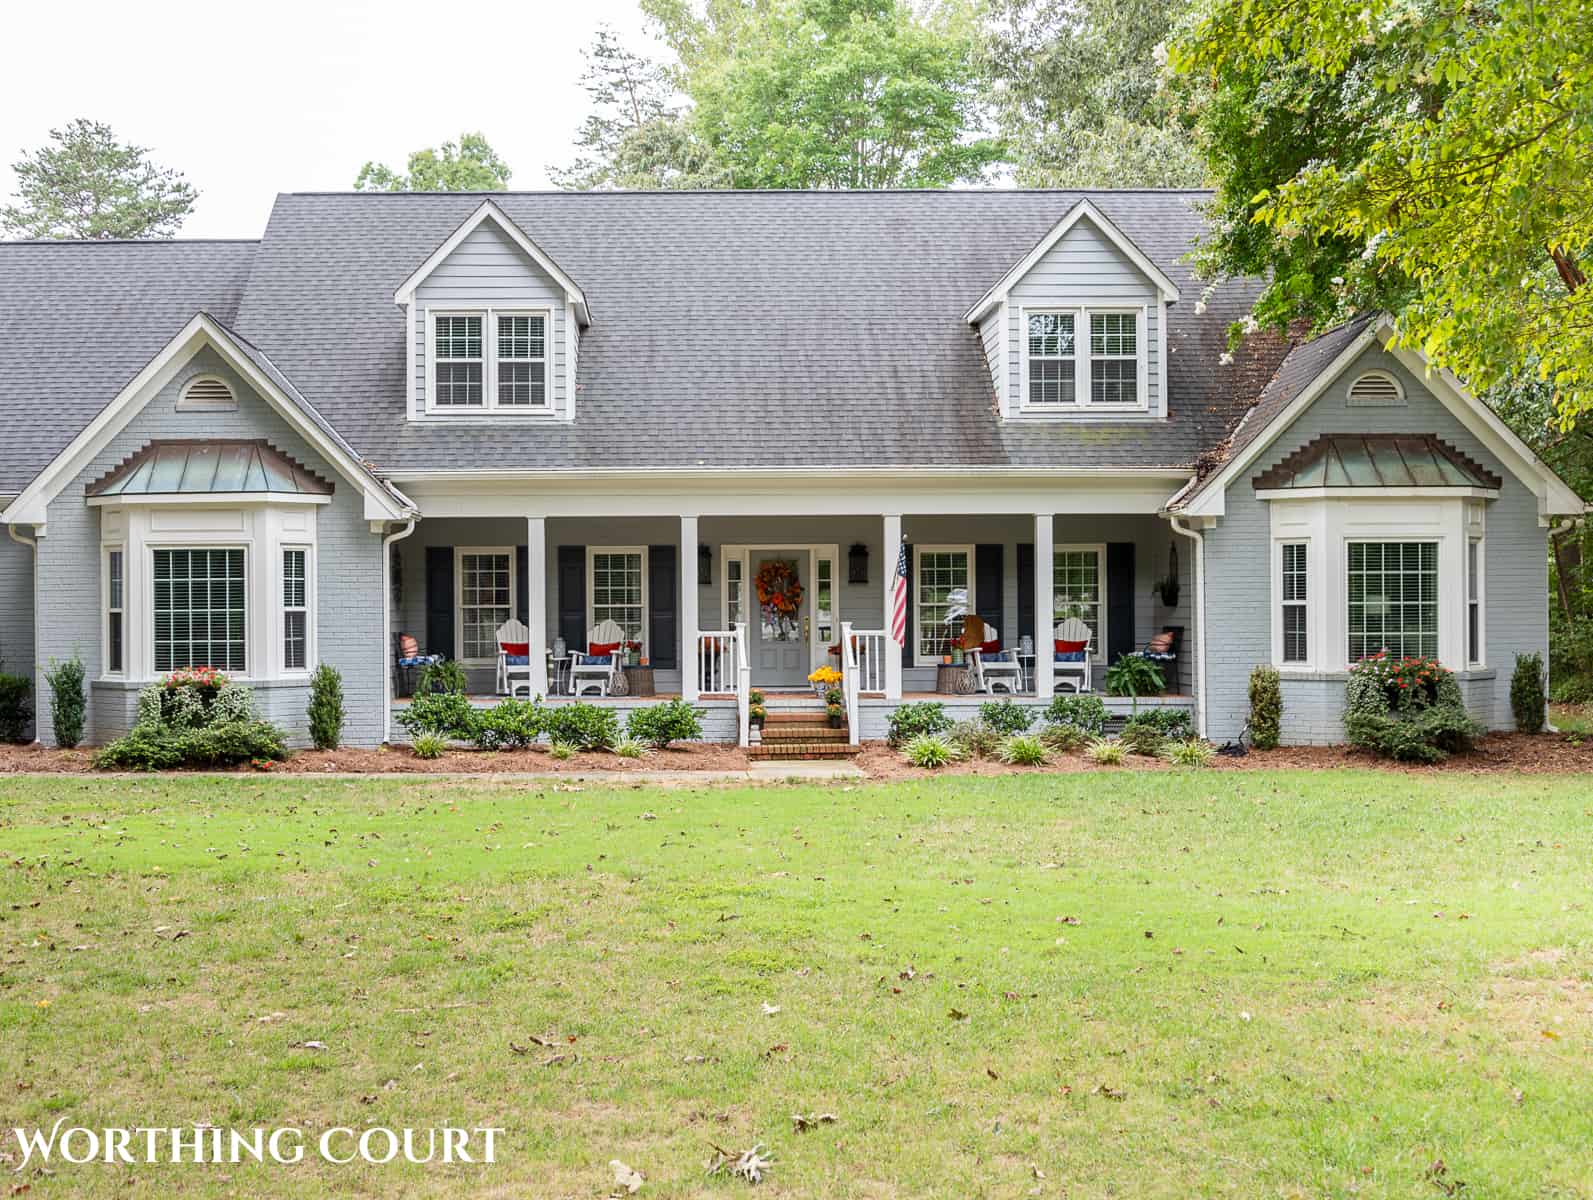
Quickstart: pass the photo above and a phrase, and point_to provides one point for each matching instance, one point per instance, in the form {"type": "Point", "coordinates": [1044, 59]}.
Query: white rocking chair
{"type": "Point", "coordinates": [998, 669]}
{"type": "Point", "coordinates": [597, 673]}
{"type": "Point", "coordinates": [1076, 673]}
{"type": "Point", "coordinates": [514, 670]}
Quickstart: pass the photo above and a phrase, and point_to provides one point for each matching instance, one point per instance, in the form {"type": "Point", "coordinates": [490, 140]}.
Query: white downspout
{"type": "Point", "coordinates": [387, 626]}
{"type": "Point", "coordinates": [24, 540]}
{"type": "Point", "coordinates": [1200, 618]}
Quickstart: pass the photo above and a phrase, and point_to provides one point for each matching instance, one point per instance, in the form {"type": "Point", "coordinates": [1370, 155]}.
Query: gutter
{"type": "Point", "coordinates": [387, 625]}
{"type": "Point", "coordinates": [32, 543]}
{"type": "Point", "coordinates": [1200, 617]}
{"type": "Point", "coordinates": [797, 474]}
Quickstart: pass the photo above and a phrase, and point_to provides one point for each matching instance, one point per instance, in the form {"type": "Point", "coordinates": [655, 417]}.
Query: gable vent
{"type": "Point", "coordinates": [1376, 389]}
{"type": "Point", "coordinates": [206, 393]}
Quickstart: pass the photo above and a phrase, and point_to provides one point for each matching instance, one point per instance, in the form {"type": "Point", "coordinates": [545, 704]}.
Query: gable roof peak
{"type": "Point", "coordinates": [489, 210]}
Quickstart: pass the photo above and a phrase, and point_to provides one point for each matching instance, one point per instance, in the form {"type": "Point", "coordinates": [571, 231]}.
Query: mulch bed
{"type": "Point", "coordinates": [1514, 753]}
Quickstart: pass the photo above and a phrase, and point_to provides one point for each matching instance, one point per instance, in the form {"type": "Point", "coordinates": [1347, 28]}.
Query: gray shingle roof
{"type": "Point", "coordinates": [734, 329]}
{"type": "Point", "coordinates": [79, 319]}
{"type": "Point", "coordinates": [196, 466]}
{"type": "Point", "coordinates": [741, 328]}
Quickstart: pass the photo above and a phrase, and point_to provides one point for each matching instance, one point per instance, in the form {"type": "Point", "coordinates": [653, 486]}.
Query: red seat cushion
{"type": "Point", "coordinates": [520, 648]}
{"type": "Point", "coordinates": [990, 647]}
{"type": "Point", "coordinates": [1069, 647]}
{"type": "Point", "coordinates": [602, 647]}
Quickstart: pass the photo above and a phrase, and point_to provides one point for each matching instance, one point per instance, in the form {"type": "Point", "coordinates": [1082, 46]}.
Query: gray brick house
{"type": "Point", "coordinates": [431, 416]}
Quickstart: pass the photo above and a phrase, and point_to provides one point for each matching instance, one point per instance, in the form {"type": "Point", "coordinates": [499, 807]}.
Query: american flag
{"type": "Point", "coordinates": [899, 598]}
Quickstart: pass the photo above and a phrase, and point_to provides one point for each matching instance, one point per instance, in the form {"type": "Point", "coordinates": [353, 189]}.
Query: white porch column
{"type": "Point", "coordinates": [890, 550]}
{"type": "Point", "coordinates": [536, 604]}
{"type": "Point", "coordinates": [1044, 660]}
{"type": "Point", "coordinates": [689, 625]}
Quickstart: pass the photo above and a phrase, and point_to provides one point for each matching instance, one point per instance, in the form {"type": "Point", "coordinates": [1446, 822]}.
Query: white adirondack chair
{"type": "Point", "coordinates": [514, 670]}
{"type": "Point", "coordinates": [594, 673]}
{"type": "Point", "coordinates": [1075, 673]}
{"type": "Point", "coordinates": [1000, 670]}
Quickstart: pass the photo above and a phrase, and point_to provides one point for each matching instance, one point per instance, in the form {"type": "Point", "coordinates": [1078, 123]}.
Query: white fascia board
{"type": "Point", "coordinates": [31, 506]}
{"type": "Point", "coordinates": [1378, 493]}
{"type": "Point", "coordinates": [208, 499]}
{"type": "Point", "coordinates": [490, 211]}
{"type": "Point", "coordinates": [840, 474]}
{"type": "Point", "coordinates": [1212, 500]}
{"type": "Point", "coordinates": [1080, 211]}
{"type": "Point", "coordinates": [1555, 496]}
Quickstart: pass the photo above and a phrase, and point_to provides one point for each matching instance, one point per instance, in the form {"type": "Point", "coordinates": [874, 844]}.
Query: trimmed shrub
{"type": "Point", "coordinates": [1024, 750]}
{"type": "Point", "coordinates": [584, 726]}
{"type": "Point", "coordinates": [1086, 713]}
{"type": "Point", "coordinates": [447, 714]}
{"type": "Point", "coordinates": [1169, 722]}
{"type": "Point", "coordinates": [660, 724]}
{"type": "Point", "coordinates": [16, 708]}
{"type": "Point", "coordinates": [326, 708]}
{"type": "Point", "coordinates": [1191, 752]}
{"type": "Point", "coordinates": [1005, 717]}
{"type": "Point", "coordinates": [67, 701]}
{"type": "Point", "coordinates": [429, 745]}
{"type": "Point", "coordinates": [194, 719]}
{"type": "Point", "coordinates": [926, 717]}
{"type": "Point", "coordinates": [1142, 737]}
{"type": "Point", "coordinates": [446, 676]}
{"type": "Point", "coordinates": [1108, 752]}
{"type": "Point", "coordinates": [1364, 696]}
{"type": "Point", "coordinates": [974, 739]}
{"type": "Point", "coordinates": [1526, 693]}
{"type": "Point", "coordinates": [928, 750]}
{"type": "Point", "coordinates": [510, 725]}
{"type": "Point", "coordinates": [1407, 709]}
{"type": "Point", "coordinates": [1266, 708]}
{"type": "Point", "coordinates": [629, 747]}
{"type": "Point", "coordinates": [1064, 738]}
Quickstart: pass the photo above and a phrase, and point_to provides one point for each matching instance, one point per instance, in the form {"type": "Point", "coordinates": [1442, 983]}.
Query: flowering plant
{"type": "Point", "coordinates": [1406, 682]}
{"type": "Point", "coordinates": [825, 675]}
{"type": "Point", "coordinates": [263, 764]}
{"type": "Point", "coordinates": [205, 678]}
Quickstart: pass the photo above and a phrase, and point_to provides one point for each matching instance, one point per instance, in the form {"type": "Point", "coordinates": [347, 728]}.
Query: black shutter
{"type": "Point", "coordinates": [1119, 600]}
{"type": "Point", "coordinates": [572, 596]}
{"type": "Point", "coordinates": [663, 599]}
{"type": "Point", "coordinates": [912, 586]}
{"type": "Point", "coordinates": [1026, 595]}
{"type": "Point", "coordinates": [522, 584]}
{"type": "Point", "coordinates": [439, 600]}
{"type": "Point", "coordinates": [988, 564]}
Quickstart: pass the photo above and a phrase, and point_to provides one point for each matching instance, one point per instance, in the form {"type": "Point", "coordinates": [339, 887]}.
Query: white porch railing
{"type": "Point", "coordinates": [849, 681]}
{"type": "Point", "coordinates": [870, 646]}
{"type": "Point", "coordinates": [723, 669]}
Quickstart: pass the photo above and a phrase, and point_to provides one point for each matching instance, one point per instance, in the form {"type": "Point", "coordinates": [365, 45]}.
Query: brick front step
{"type": "Point", "coordinates": [799, 718]}
{"type": "Point", "coordinates": [803, 750]}
{"type": "Point", "coordinates": [803, 733]}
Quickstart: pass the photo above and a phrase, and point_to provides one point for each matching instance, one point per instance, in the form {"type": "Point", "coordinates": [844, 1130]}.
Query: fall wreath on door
{"type": "Point", "coordinates": [779, 593]}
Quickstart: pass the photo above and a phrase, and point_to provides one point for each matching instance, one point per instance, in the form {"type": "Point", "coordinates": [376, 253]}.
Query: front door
{"type": "Point", "coordinates": [779, 626]}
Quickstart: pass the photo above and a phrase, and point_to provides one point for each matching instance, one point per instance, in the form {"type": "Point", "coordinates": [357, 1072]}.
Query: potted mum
{"type": "Point", "coordinates": [836, 713]}
{"type": "Point", "coordinates": [824, 679]}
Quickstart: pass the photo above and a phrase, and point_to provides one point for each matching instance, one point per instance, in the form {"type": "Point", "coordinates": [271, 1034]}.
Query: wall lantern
{"type": "Point", "coordinates": [705, 565]}
{"type": "Point", "coordinates": [857, 563]}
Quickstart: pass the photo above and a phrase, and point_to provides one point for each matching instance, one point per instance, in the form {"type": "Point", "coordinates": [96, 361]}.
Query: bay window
{"type": "Point", "coordinates": [1393, 599]}
{"type": "Point", "coordinates": [200, 609]}
{"type": "Point", "coordinates": [1294, 582]}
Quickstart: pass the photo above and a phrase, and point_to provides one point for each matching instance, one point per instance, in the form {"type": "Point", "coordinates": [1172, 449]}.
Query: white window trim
{"type": "Point", "coordinates": [1481, 600]}
{"type": "Point", "coordinates": [489, 363]}
{"type": "Point", "coordinates": [647, 600]}
{"type": "Point", "coordinates": [918, 585]}
{"type": "Point", "coordinates": [105, 610]}
{"type": "Point", "coordinates": [310, 658]}
{"type": "Point", "coordinates": [251, 601]}
{"type": "Point", "coordinates": [1098, 647]}
{"type": "Point", "coordinates": [1328, 525]}
{"type": "Point", "coordinates": [1278, 602]}
{"type": "Point", "coordinates": [459, 597]}
{"type": "Point", "coordinates": [1081, 311]}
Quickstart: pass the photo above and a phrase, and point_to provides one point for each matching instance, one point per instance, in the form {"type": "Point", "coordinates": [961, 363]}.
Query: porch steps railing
{"type": "Point", "coordinates": [723, 669]}
{"type": "Point", "coordinates": [850, 681]}
{"type": "Point", "coordinates": [869, 645]}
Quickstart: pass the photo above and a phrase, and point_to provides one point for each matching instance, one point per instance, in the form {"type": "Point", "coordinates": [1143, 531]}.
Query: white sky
{"type": "Point", "coordinates": [249, 99]}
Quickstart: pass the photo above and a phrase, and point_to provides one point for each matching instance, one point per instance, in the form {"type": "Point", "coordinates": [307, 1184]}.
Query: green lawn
{"type": "Point", "coordinates": [1138, 985]}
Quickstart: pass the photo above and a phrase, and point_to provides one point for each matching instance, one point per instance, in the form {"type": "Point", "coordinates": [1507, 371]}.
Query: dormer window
{"type": "Point", "coordinates": [1108, 375]}
{"type": "Point", "coordinates": [489, 361]}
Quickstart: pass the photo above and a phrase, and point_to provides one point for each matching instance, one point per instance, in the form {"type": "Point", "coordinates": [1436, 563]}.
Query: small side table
{"type": "Point", "coordinates": [639, 681]}
{"type": "Point", "coordinates": [953, 680]}
{"type": "Point", "coordinates": [1025, 670]}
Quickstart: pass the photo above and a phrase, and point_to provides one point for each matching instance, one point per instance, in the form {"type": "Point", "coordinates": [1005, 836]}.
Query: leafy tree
{"type": "Point", "coordinates": [470, 165]}
{"type": "Point", "coordinates": [86, 184]}
{"type": "Point", "coordinates": [1078, 91]}
{"type": "Point", "coordinates": [637, 134]}
{"type": "Point", "coordinates": [1424, 156]}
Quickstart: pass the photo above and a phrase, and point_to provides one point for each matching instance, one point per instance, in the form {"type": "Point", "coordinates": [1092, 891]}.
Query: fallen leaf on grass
{"type": "Point", "coordinates": [559, 1059]}
{"type": "Point", "coordinates": [956, 1014]}
{"type": "Point", "coordinates": [804, 1123]}
{"type": "Point", "coordinates": [991, 1073]}
{"type": "Point", "coordinates": [777, 1048]}
{"type": "Point", "coordinates": [625, 1178]}
{"type": "Point", "coordinates": [770, 1009]}
{"type": "Point", "coordinates": [749, 1164]}
{"type": "Point", "coordinates": [1111, 1093]}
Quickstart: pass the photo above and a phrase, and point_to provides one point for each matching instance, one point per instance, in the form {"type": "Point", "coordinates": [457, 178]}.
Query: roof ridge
{"type": "Point", "coordinates": [852, 193]}
{"type": "Point", "coordinates": [198, 241]}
